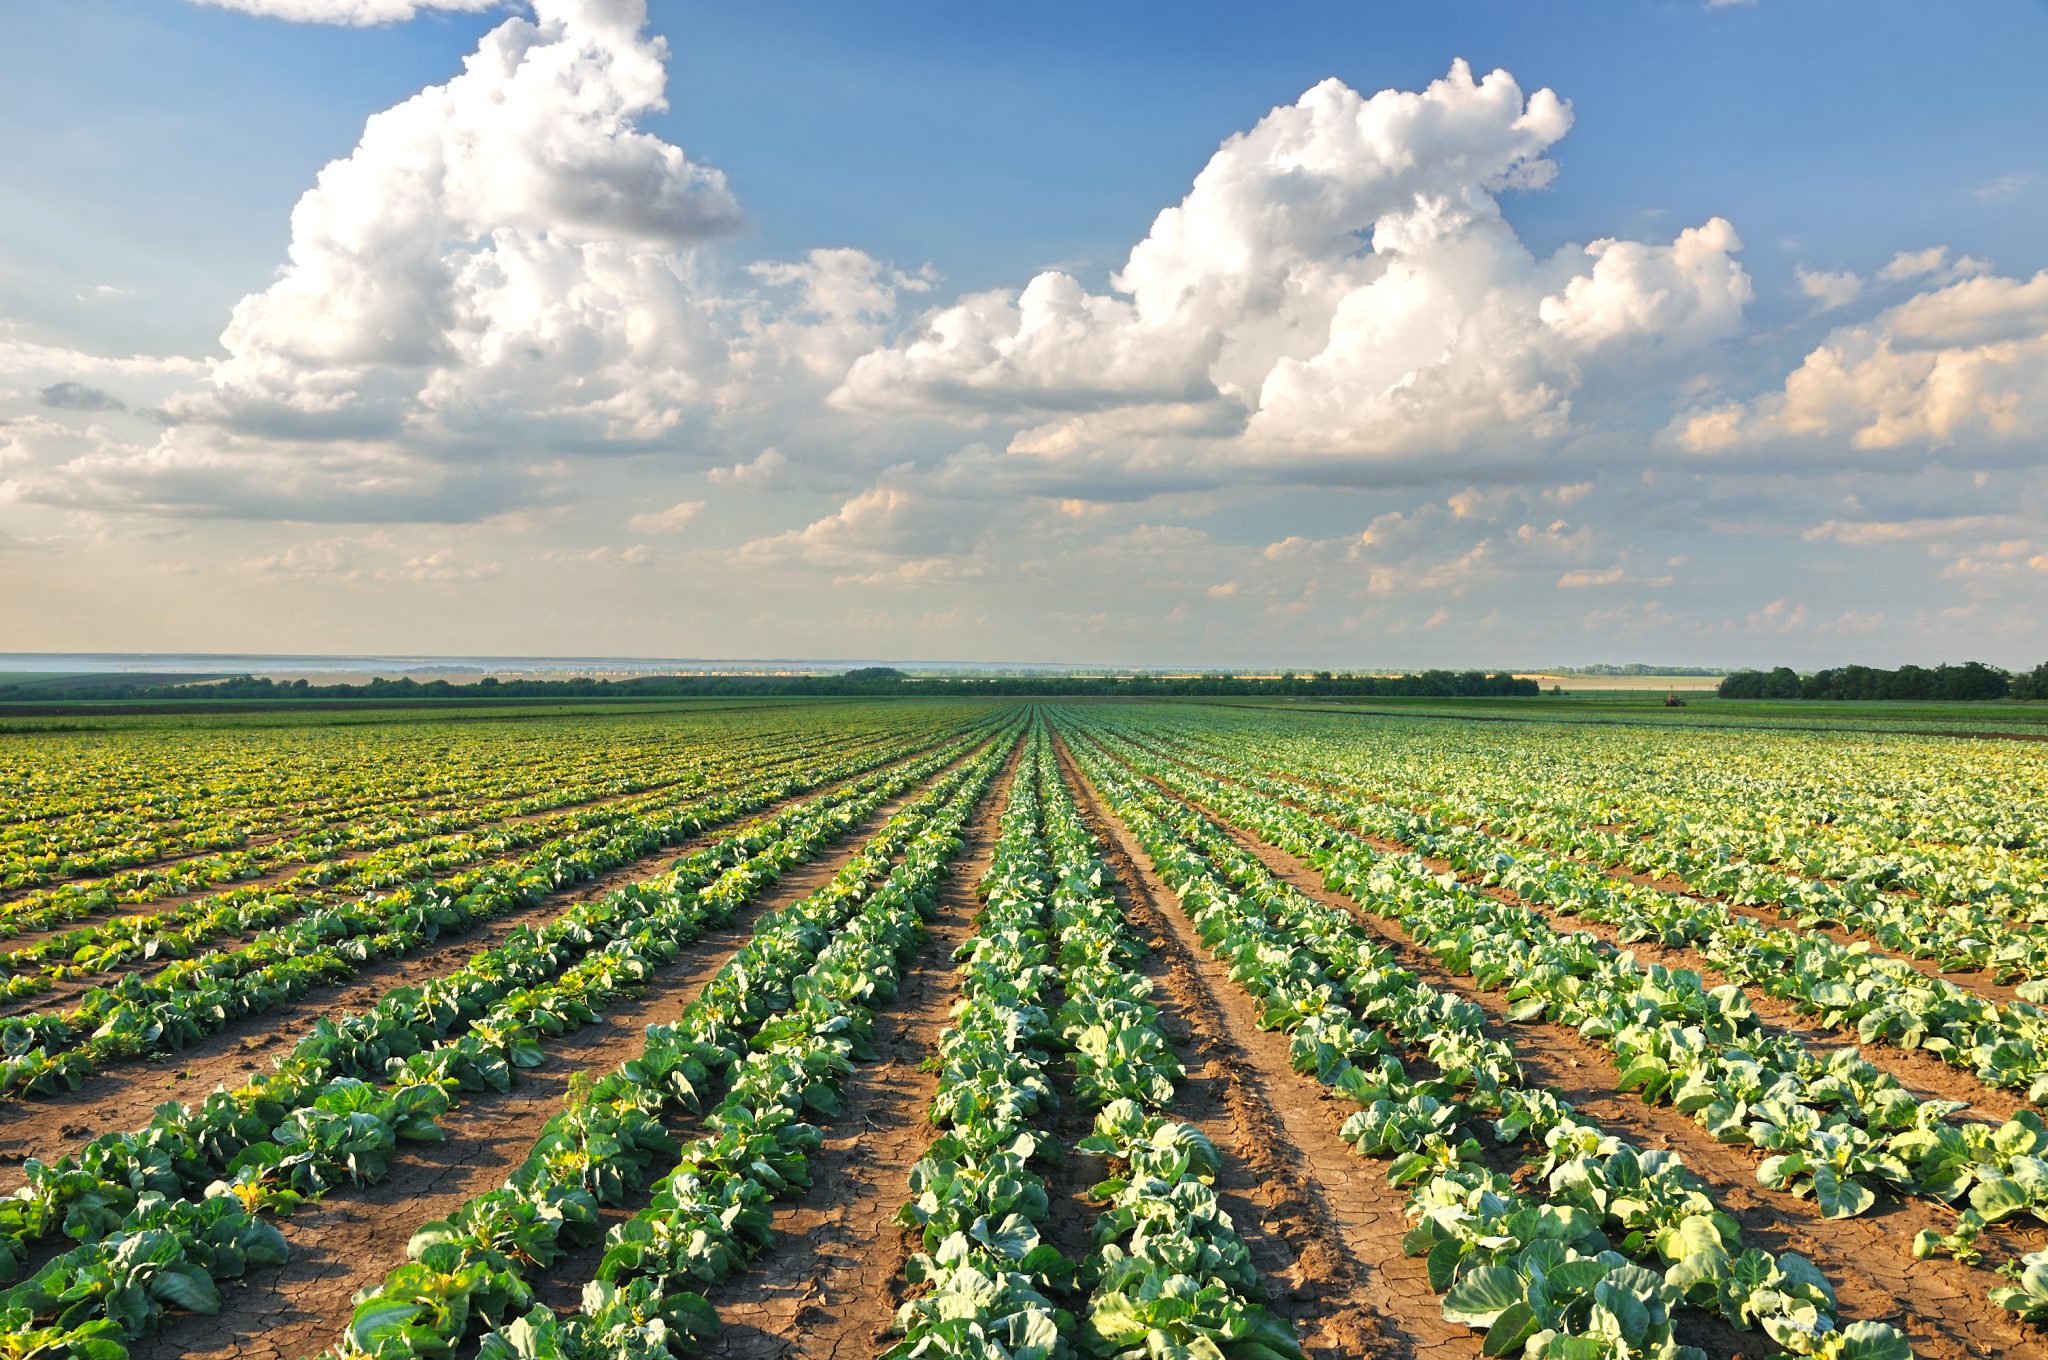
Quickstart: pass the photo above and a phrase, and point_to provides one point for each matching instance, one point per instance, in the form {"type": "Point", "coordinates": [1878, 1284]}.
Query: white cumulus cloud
{"type": "Point", "coordinates": [505, 243]}
{"type": "Point", "coordinates": [1338, 282]}
{"type": "Point", "coordinates": [1829, 288]}
{"type": "Point", "coordinates": [667, 521]}
{"type": "Point", "coordinates": [1965, 364]}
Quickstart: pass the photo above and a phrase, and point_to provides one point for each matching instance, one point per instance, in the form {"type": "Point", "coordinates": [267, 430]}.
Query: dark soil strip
{"type": "Point", "coordinates": [1940, 1305]}
{"type": "Point", "coordinates": [125, 1096]}
{"type": "Point", "coordinates": [830, 1284]}
{"type": "Point", "coordinates": [354, 1239]}
{"type": "Point", "coordinates": [1323, 1225]}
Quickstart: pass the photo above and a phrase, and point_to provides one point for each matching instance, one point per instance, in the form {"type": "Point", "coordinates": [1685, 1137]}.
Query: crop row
{"type": "Point", "coordinates": [559, 783]}
{"type": "Point", "coordinates": [191, 998]}
{"type": "Point", "coordinates": [1168, 1273]}
{"type": "Point", "coordinates": [183, 812]}
{"type": "Point", "coordinates": [1838, 1128]}
{"type": "Point", "coordinates": [1591, 1259]}
{"type": "Point", "coordinates": [1916, 902]}
{"type": "Point", "coordinates": [307, 1127]}
{"type": "Point", "coordinates": [1877, 998]}
{"type": "Point", "coordinates": [179, 931]}
{"type": "Point", "coordinates": [1833, 1127]}
{"type": "Point", "coordinates": [777, 1030]}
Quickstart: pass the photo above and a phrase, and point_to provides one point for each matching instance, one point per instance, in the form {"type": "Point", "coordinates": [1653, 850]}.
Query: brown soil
{"type": "Point", "coordinates": [830, 1283]}
{"type": "Point", "coordinates": [354, 1238]}
{"type": "Point", "coordinates": [1940, 1305]}
{"type": "Point", "coordinates": [127, 1094]}
{"type": "Point", "coordinates": [1323, 1226]}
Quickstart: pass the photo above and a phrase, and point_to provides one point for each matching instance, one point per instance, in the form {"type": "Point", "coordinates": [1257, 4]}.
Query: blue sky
{"type": "Point", "coordinates": [1808, 437]}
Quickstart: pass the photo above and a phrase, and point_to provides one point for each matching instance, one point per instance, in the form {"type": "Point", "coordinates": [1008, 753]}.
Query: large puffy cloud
{"type": "Point", "coordinates": [507, 242]}
{"type": "Point", "coordinates": [1338, 282]}
{"type": "Point", "coordinates": [505, 269]}
{"type": "Point", "coordinates": [1965, 365]}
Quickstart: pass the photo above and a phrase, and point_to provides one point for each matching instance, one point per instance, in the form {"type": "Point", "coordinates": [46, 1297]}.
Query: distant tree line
{"type": "Point", "coordinates": [1970, 680]}
{"type": "Point", "coordinates": [1420, 685]}
{"type": "Point", "coordinates": [872, 680]}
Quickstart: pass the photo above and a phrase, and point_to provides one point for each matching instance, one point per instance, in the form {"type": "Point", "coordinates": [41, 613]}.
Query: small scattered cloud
{"type": "Point", "coordinates": [1779, 618]}
{"type": "Point", "coordinates": [604, 555]}
{"type": "Point", "coordinates": [371, 558]}
{"type": "Point", "coordinates": [1830, 288]}
{"type": "Point", "coordinates": [1961, 367]}
{"type": "Point", "coordinates": [74, 396]}
{"type": "Point", "coordinates": [1610, 576]}
{"type": "Point", "coordinates": [356, 13]}
{"type": "Point", "coordinates": [770, 468]}
{"type": "Point", "coordinates": [2006, 186]}
{"type": "Point", "coordinates": [667, 521]}
{"type": "Point", "coordinates": [1931, 263]}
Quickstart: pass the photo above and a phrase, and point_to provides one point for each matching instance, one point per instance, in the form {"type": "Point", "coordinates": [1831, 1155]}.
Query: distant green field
{"type": "Point", "coordinates": [133, 715]}
{"type": "Point", "coordinates": [1617, 706]}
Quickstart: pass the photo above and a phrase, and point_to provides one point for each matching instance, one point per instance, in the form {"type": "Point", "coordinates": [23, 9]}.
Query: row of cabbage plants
{"type": "Point", "coordinates": [1170, 1273]}
{"type": "Point", "coordinates": [1595, 1256]}
{"type": "Point", "coordinates": [190, 998]}
{"type": "Point", "coordinates": [979, 1201]}
{"type": "Point", "coordinates": [1958, 916]}
{"type": "Point", "coordinates": [1840, 1128]}
{"type": "Point", "coordinates": [1878, 998]}
{"type": "Point", "coordinates": [1053, 972]}
{"type": "Point", "coordinates": [313, 1124]}
{"type": "Point", "coordinates": [776, 1030]}
{"type": "Point", "coordinates": [409, 852]}
{"type": "Point", "coordinates": [1831, 1127]}
{"type": "Point", "coordinates": [147, 815]}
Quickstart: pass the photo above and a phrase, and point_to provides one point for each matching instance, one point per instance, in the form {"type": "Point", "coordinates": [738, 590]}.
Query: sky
{"type": "Point", "coordinates": [1312, 334]}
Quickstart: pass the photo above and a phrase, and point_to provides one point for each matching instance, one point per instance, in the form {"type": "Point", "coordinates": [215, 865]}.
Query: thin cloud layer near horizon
{"type": "Point", "coordinates": [387, 325]}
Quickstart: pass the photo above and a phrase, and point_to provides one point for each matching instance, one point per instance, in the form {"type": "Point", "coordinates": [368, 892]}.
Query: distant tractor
{"type": "Point", "coordinates": [1673, 701]}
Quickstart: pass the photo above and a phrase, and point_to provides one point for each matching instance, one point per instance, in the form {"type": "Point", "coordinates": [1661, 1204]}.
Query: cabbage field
{"type": "Point", "coordinates": [1085, 1031]}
